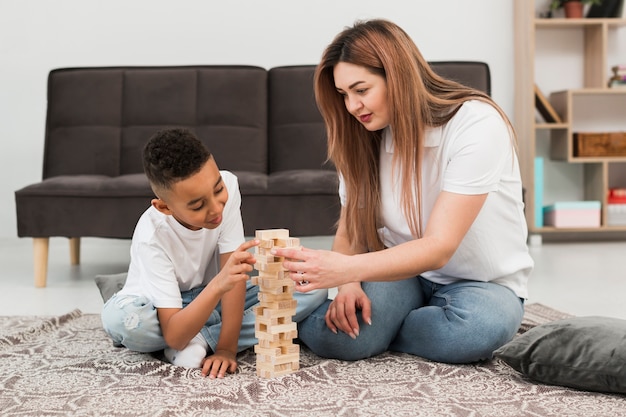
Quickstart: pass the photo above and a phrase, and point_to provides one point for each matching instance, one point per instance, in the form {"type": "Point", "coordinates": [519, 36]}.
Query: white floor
{"type": "Point", "coordinates": [577, 278]}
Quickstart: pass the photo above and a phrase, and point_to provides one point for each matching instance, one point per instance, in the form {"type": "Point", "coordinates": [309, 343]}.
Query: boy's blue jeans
{"type": "Point", "coordinates": [457, 323]}
{"type": "Point", "coordinates": [132, 321]}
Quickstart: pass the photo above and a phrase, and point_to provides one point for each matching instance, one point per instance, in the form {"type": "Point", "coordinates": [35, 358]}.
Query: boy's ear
{"type": "Point", "coordinates": [161, 205]}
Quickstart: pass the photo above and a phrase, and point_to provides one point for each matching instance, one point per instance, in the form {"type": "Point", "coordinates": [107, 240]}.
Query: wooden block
{"type": "Point", "coordinates": [267, 258]}
{"type": "Point", "coordinates": [269, 343]}
{"type": "Point", "coordinates": [272, 234]}
{"type": "Point", "coordinates": [272, 276]}
{"type": "Point", "coordinates": [278, 360]}
{"type": "Point", "coordinates": [271, 351]}
{"type": "Point", "coordinates": [282, 328]}
{"type": "Point", "coordinates": [266, 329]}
{"type": "Point", "coordinates": [267, 339]}
{"type": "Point", "coordinates": [269, 266]}
{"type": "Point", "coordinates": [263, 335]}
{"type": "Point", "coordinates": [277, 350]}
{"type": "Point", "coordinates": [275, 313]}
{"type": "Point", "coordinates": [282, 289]}
{"type": "Point", "coordinates": [280, 304]}
{"type": "Point", "coordinates": [272, 313]}
{"type": "Point", "coordinates": [258, 310]}
{"type": "Point", "coordinates": [292, 348]}
{"type": "Point", "coordinates": [271, 282]}
{"type": "Point", "coordinates": [280, 274]}
{"type": "Point", "coordinates": [266, 244]}
{"type": "Point", "coordinates": [273, 321]}
{"type": "Point", "coordinates": [289, 242]}
{"type": "Point", "coordinates": [263, 297]}
{"type": "Point", "coordinates": [262, 363]}
{"type": "Point", "coordinates": [288, 336]}
{"type": "Point", "coordinates": [263, 251]}
{"type": "Point", "coordinates": [273, 372]}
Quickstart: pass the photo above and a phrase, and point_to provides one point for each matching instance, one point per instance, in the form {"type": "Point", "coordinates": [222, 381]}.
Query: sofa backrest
{"type": "Point", "coordinates": [473, 74]}
{"type": "Point", "coordinates": [295, 123]}
{"type": "Point", "coordinates": [99, 119]}
{"type": "Point", "coordinates": [297, 136]}
{"type": "Point", "coordinates": [252, 119]}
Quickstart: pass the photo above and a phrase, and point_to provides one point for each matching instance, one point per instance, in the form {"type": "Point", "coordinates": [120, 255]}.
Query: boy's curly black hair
{"type": "Point", "coordinates": [172, 155]}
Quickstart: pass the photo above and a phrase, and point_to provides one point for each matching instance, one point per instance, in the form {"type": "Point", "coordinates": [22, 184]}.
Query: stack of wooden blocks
{"type": "Point", "coordinates": [276, 354]}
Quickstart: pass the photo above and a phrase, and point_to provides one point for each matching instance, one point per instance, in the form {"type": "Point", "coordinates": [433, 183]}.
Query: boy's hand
{"type": "Point", "coordinates": [236, 268]}
{"type": "Point", "coordinates": [216, 365]}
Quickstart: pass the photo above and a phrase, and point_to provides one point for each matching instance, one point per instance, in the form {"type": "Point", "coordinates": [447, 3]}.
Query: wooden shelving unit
{"type": "Point", "coordinates": [597, 173]}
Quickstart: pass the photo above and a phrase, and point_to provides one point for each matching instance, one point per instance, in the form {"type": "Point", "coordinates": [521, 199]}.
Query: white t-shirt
{"type": "Point", "coordinates": [471, 154]}
{"type": "Point", "coordinates": [167, 258]}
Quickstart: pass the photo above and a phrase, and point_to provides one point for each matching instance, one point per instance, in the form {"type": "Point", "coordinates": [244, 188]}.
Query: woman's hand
{"type": "Point", "coordinates": [341, 313]}
{"type": "Point", "coordinates": [313, 269]}
{"type": "Point", "coordinates": [216, 365]}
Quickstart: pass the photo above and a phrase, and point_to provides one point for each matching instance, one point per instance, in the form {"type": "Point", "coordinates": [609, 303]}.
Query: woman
{"type": "Point", "coordinates": [430, 254]}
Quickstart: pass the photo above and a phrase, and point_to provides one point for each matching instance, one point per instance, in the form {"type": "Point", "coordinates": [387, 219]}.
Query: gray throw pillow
{"type": "Point", "coordinates": [110, 284]}
{"type": "Point", "coordinates": [587, 353]}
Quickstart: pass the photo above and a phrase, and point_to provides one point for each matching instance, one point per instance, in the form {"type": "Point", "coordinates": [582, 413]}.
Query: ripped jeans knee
{"type": "Point", "coordinates": [132, 321]}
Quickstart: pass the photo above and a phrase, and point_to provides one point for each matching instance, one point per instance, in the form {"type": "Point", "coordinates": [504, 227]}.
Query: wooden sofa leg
{"type": "Point", "coordinates": [74, 250]}
{"type": "Point", "coordinates": [40, 246]}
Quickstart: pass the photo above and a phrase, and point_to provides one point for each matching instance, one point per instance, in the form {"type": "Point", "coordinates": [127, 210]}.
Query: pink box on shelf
{"type": "Point", "coordinates": [572, 214]}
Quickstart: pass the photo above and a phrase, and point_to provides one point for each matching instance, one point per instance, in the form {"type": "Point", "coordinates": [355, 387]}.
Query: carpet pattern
{"type": "Point", "coordinates": [66, 366]}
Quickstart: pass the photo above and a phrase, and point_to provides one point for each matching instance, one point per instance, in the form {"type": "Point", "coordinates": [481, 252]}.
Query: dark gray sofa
{"type": "Point", "coordinates": [263, 125]}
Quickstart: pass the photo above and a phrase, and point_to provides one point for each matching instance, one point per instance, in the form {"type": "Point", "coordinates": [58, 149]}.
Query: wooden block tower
{"type": "Point", "coordinates": [276, 354]}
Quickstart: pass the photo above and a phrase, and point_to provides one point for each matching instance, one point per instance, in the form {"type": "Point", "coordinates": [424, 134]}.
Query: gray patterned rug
{"type": "Point", "coordinates": [66, 366]}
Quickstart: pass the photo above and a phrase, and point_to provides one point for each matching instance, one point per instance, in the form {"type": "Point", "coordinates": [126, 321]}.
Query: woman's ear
{"type": "Point", "coordinates": [161, 205]}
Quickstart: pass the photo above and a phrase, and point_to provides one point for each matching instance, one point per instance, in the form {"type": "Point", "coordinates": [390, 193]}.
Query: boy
{"type": "Point", "coordinates": [174, 297]}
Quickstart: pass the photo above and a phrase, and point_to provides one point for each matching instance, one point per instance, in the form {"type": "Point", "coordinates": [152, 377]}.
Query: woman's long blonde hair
{"type": "Point", "coordinates": [417, 98]}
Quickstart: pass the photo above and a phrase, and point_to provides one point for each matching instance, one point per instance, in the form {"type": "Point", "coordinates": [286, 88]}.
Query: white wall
{"type": "Point", "coordinates": [39, 35]}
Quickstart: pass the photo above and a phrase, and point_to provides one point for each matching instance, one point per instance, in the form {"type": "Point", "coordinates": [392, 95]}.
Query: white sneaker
{"type": "Point", "coordinates": [191, 356]}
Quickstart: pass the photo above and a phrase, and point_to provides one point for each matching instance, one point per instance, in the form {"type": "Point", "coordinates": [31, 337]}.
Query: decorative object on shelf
{"type": "Point", "coordinates": [572, 214]}
{"type": "Point", "coordinates": [618, 80]}
{"type": "Point", "coordinates": [573, 8]}
{"type": "Point", "coordinates": [545, 108]}
{"type": "Point", "coordinates": [600, 144]}
{"type": "Point", "coordinates": [616, 207]}
{"type": "Point", "coordinates": [617, 196]}
{"type": "Point", "coordinates": [608, 8]}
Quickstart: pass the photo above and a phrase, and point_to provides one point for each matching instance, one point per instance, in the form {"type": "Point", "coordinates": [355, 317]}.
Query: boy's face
{"type": "Point", "coordinates": [198, 201]}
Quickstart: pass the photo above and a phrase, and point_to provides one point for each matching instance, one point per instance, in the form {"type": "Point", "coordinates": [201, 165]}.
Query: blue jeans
{"type": "Point", "coordinates": [462, 322]}
{"type": "Point", "coordinates": [132, 321]}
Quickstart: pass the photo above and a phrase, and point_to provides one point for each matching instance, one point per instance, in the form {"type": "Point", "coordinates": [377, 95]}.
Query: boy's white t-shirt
{"type": "Point", "coordinates": [472, 154]}
{"type": "Point", "coordinates": [167, 258]}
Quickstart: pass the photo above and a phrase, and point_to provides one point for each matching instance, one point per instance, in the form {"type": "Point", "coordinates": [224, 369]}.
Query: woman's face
{"type": "Point", "coordinates": [364, 93]}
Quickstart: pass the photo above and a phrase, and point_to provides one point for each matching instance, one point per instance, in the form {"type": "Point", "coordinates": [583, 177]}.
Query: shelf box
{"type": "Point", "coordinates": [572, 214]}
{"type": "Point", "coordinates": [600, 144]}
{"type": "Point", "coordinates": [616, 215]}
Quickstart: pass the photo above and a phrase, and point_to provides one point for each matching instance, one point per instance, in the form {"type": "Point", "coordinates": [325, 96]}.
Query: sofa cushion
{"type": "Point", "coordinates": [251, 182]}
{"type": "Point", "coordinates": [110, 284]}
{"type": "Point", "coordinates": [90, 186]}
{"type": "Point", "coordinates": [303, 181]}
{"type": "Point", "coordinates": [83, 205]}
{"type": "Point", "coordinates": [587, 353]}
